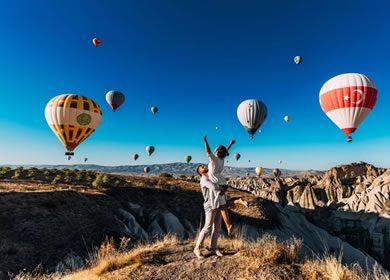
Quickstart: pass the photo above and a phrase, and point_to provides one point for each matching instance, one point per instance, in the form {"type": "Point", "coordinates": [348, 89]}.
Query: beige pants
{"type": "Point", "coordinates": [212, 224]}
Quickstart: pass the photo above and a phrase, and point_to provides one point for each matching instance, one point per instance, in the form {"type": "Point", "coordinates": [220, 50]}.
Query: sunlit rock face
{"type": "Point", "coordinates": [350, 201]}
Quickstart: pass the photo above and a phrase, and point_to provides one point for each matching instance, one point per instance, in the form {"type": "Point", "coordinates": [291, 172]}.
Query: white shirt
{"type": "Point", "coordinates": [215, 167]}
{"type": "Point", "coordinates": [211, 194]}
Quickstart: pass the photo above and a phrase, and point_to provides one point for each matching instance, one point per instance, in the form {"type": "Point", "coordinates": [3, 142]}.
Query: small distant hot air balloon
{"type": "Point", "coordinates": [259, 170]}
{"type": "Point", "coordinates": [72, 118]}
{"type": "Point", "coordinates": [149, 150]}
{"type": "Point", "coordinates": [237, 156]}
{"type": "Point", "coordinates": [280, 161]}
{"type": "Point", "coordinates": [298, 59]}
{"type": "Point", "coordinates": [277, 173]}
{"type": "Point", "coordinates": [251, 113]}
{"type": "Point", "coordinates": [115, 99]}
{"type": "Point", "coordinates": [135, 156]}
{"type": "Point", "coordinates": [249, 160]}
{"type": "Point", "coordinates": [216, 128]}
{"type": "Point", "coordinates": [154, 110]}
{"type": "Point", "coordinates": [69, 157]}
{"type": "Point", "coordinates": [85, 159]}
{"type": "Point", "coordinates": [247, 174]}
{"type": "Point", "coordinates": [146, 169]}
{"type": "Point", "coordinates": [96, 42]}
{"type": "Point", "coordinates": [187, 159]}
{"type": "Point", "coordinates": [286, 118]}
{"type": "Point", "coordinates": [347, 99]}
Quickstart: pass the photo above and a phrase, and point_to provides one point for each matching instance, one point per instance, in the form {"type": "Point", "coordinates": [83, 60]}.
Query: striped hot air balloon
{"type": "Point", "coordinates": [72, 118]}
{"type": "Point", "coordinates": [251, 113]}
{"type": "Point", "coordinates": [347, 99]}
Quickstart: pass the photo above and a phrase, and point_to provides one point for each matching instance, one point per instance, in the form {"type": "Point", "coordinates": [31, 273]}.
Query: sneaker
{"type": "Point", "coordinates": [198, 253]}
{"type": "Point", "coordinates": [216, 252]}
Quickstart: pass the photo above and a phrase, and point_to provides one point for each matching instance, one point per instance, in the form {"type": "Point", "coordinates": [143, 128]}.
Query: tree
{"type": "Point", "coordinates": [98, 182]}
{"type": "Point", "coordinates": [17, 173]}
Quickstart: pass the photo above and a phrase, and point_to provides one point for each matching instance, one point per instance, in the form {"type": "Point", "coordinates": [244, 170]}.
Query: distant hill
{"type": "Point", "coordinates": [176, 168]}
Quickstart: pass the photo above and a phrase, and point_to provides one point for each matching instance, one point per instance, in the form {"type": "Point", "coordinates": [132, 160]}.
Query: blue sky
{"type": "Point", "coordinates": [196, 61]}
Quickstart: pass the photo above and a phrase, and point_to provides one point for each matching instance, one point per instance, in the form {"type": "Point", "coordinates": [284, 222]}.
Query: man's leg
{"type": "Point", "coordinates": [216, 229]}
{"type": "Point", "coordinates": [208, 225]}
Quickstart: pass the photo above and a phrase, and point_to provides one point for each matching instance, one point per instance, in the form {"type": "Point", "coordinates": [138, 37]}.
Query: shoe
{"type": "Point", "coordinates": [198, 253]}
{"type": "Point", "coordinates": [216, 252]}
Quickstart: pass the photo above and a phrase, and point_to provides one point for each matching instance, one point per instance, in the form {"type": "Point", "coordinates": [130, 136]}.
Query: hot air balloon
{"type": "Point", "coordinates": [96, 42]}
{"type": "Point", "coordinates": [154, 110]}
{"type": "Point", "coordinates": [298, 59]}
{"type": "Point", "coordinates": [286, 118]}
{"type": "Point", "coordinates": [277, 173]}
{"type": "Point", "coordinates": [251, 113]}
{"type": "Point", "coordinates": [259, 170]}
{"type": "Point", "coordinates": [187, 159]}
{"type": "Point", "coordinates": [69, 157]}
{"type": "Point", "coordinates": [85, 159]}
{"type": "Point", "coordinates": [72, 118]}
{"type": "Point", "coordinates": [237, 156]}
{"type": "Point", "coordinates": [347, 99]}
{"type": "Point", "coordinates": [115, 99]}
{"type": "Point", "coordinates": [149, 150]}
{"type": "Point", "coordinates": [146, 169]}
{"type": "Point", "coordinates": [280, 161]}
{"type": "Point", "coordinates": [135, 156]}
{"type": "Point", "coordinates": [216, 128]}
{"type": "Point", "coordinates": [249, 160]}
{"type": "Point", "coordinates": [247, 174]}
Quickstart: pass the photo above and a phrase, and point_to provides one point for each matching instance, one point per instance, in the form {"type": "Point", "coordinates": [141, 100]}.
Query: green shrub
{"type": "Point", "coordinates": [98, 182]}
{"type": "Point", "coordinates": [5, 170]}
{"type": "Point", "coordinates": [56, 179]}
{"type": "Point", "coordinates": [18, 173]}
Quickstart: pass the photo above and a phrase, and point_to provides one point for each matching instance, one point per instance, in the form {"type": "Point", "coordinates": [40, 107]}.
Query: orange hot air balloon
{"type": "Point", "coordinates": [347, 99]}
{"type": "Point", "coordinates": [96, 42]}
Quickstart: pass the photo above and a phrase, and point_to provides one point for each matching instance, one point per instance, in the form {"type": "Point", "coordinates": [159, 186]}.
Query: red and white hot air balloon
{"type": "Point", "coordinates": [96, 42]}
{"type": "Point", "coordinates": [347, 99]}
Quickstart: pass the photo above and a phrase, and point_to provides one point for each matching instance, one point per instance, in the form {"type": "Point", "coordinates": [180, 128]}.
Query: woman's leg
{"type": "Point", "coordinates": [226, 219]}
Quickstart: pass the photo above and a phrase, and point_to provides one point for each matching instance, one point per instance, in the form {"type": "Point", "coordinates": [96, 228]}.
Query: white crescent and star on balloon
{"type": "Point", "coordinates": [361, 94]}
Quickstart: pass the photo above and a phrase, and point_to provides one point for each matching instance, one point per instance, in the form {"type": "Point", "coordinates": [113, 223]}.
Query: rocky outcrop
{"type": "Point", "coordinates": [351, 201]}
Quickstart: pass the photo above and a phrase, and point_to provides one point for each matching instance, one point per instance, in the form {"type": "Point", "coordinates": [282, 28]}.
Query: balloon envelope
{"type": "Point", "coordinates": [347, 99]}
{"type": "Point", "coordinates": [72, 118]}
{"type": "Point", "coordinates": [298, 59]}
{"type": "Point", "coordinates": [237, 156]}
{"type": "Point", "coordinates": [135, 156]}
{"type": "Point", "coordinates": [96, 42]}
{"type": "Point", "coordinates": [252, 113]}
{"type": "Point", "coordinates": [187, 159]}
{"type": "Point", "coordinates": [150, 150]}
{"type": "Point", "coordinates": [146, 169]}
{"type": "Point", "coordinates": [115, 99]}
{"type": "Point", "coordinates": [86, 159]}
{"type": "Point", "coordinates": [286, 118]}
{"type": "Point", "coordinates": [259, 170]}
{"type": "Point", "coordinates": [154, 110]}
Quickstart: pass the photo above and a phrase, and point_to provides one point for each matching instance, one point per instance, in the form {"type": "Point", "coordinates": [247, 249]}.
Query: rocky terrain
{"type": "Point", "coordinates": [351, 202]}
{"type": "Point", "coordinates": [57, 223]}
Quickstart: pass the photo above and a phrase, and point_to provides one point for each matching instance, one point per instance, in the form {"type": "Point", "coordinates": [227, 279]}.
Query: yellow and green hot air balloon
{"type": "Point", "coordinates": [259, 170]}
{"type": "Point", "coordinates": [187, 159]}
{"type": "Point", "coordinates": [72, 118]}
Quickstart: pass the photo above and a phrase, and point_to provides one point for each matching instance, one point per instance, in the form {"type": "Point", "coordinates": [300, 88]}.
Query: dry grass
{"type": "Point", "coordinates": [330, 268]}
{"type": "Point", "coordinates": [170, 258]}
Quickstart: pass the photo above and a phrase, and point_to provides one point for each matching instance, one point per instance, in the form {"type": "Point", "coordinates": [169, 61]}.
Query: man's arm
{"type": "Point", "coordinates": [232, 142]}
{"type": "Point", "coordinates": [211, 186]}
{"type": "Point", "coordinates": [207, 146]}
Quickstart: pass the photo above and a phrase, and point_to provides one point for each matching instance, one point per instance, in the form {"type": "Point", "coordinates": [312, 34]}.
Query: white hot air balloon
{"type": "Point", "coordinates": [298, 59]}
{"type": "Point", "coordinates": [252, 113]}
{"type": "Point", "coordinates": [286, 118]}
{"type": "Point", "coordinates": [347, 99]}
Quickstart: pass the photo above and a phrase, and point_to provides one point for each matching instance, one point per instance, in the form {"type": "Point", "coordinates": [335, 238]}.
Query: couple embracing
{"type": "Point", "coordinates": [216, 203]}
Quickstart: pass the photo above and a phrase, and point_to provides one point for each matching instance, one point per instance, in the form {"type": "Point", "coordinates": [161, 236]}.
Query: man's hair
{"type": "Point", "coordinates": [197, 169]}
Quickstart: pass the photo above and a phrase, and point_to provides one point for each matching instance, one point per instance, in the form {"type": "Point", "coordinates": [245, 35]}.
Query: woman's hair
{"type": "Point", "coordinates": [197, 169]}
{"type": "Point", "coordinates": [221, 149]}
